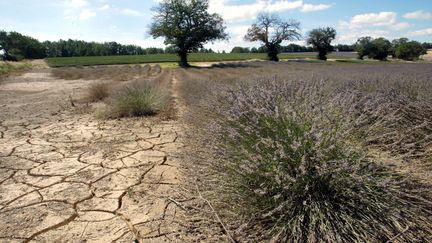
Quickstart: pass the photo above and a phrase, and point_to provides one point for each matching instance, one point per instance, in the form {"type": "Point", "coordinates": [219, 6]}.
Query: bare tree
{"type": "Point", "coordinates": [272, 31]}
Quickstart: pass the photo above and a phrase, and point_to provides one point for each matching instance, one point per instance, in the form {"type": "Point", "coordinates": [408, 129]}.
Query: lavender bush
{"type": "Point", "coordinates": [289, 155]}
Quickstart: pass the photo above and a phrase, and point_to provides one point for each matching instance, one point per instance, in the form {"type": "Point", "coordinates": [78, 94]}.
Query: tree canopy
{"type": "Point", "coordinates": [380, 49]}
{"type": "Point", "coordinates": [18, 46]}
{"type": "Point", "coordinates": [321, 39]}
{"type": "Point", "coordinates": [409, 50]}
{"type": "Point", "coordinates": [239, 49]}
{"type": "Point", "coordinates": [272, 31]}
{"type": "Point", "coordinates": [363, 46]}
{"type": "Point", "coordinates": [186, 26]}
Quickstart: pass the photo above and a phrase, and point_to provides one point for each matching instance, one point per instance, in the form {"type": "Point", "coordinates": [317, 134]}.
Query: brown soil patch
{"type": "Point", "coordinates": [65, 176]}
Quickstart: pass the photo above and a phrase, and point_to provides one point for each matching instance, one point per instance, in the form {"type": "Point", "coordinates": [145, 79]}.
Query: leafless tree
{"type": "Point", "coordinates": [272, 31]}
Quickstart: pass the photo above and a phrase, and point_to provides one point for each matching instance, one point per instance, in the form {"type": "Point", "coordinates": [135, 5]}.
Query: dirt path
{"type": "Point", "coordinates": [68, 177]}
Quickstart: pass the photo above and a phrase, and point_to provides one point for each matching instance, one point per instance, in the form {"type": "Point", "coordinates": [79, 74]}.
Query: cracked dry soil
{"type": "Point", "coordinates": [67, 177]}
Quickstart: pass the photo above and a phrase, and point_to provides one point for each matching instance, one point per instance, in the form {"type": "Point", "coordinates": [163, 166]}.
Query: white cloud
{"type": "Point", "coordinates": [420, 14]}
{"type": "Point", "coordinates": [68, 14]}
{"type": "Point", "coordinates": [422, 32]}
{"type": "Point", "coordinates": [376, 19]}
{"type": "Point", "coordinates": [105, 7]}
{"type": "Point", "coordinates": [76, 3]}
{"type": "Point", "coordinates": [249, 11]}
{"type": "Point", "coordinates": [281, 5]}
{"type": "Point", "coordinates": [381, 19]}
{"type": "Point", "coordinates": [352, 36]}
{"type": "Point", "coordinates": [73, 10]}
{"type": "Point", "coordinates": [86, 14]}
{"type": "Point", "coordinates": [400, 26]}
{"type": "Point", "coordinates": [315, 7]}
{"type": "Point", "coordinates": [130, 12]}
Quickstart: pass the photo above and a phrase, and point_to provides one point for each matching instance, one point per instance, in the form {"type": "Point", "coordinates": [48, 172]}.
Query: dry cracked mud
{"type": "Point", "coordinates": [68, 177]}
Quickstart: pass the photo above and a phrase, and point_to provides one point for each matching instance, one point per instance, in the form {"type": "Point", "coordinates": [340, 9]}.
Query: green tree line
{"type": "Point", "coordinates": [18, 46]}
{"type": "Point", "coordinates": [381, 48]}
{"type": "Point", "coordinates": [291, 48]}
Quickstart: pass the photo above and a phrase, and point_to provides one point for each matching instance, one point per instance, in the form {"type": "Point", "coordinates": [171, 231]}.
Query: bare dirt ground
{"type": "Point", "coordinates": [428, 56]}
{"type": "Point", "coordinates": [67, 177]}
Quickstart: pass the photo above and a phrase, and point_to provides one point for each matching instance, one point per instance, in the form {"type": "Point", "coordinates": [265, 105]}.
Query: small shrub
{"type": "Point", "coordinates": [139, 99]}
{"type": "Point", "coordinates": [286, 157]}
{"type": "Point", "coordinates": [100, 113]}
{"type": "Point", "coordinates": [98, 92]}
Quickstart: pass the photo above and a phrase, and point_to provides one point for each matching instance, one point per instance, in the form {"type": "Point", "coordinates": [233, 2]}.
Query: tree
{"type": "Point", "coordinates": [186, 25]}
{"type": "Point", "coordinates": [427, 45]}
{"type": "Point", "coordinates": [380, 49]}
{"type": "Point", "coordinates": [239, 49]}
{"type": "Point", "coordinates": [395, 44]}
{"type": "Point", "coordinates": [296, 48]}
{"type": "Point", "coordinates": [272, 31]}
{"type": "Point", "coordinates": [17, 46]}
{"type": "Point", "coordinates": [410, 50]}
{"type": "Point", "coordinates": [345, 48]}
{"type": "Point", "coordinates": [363, 46]}
{"type": "Point", "coordinates": [321, 40]}
{"type": "Point", "coordinates": [254, 50]}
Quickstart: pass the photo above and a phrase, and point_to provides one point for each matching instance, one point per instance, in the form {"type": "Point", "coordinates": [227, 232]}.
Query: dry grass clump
{"type": "Point", "coordinates": [97, 92]}
{"type": "Point", "coordinates": [140, 96]}
{"type": "Point", "coordinates": [7, 69]}
{"type": "Point", "coordinates": [139, 99]}
{"type": "Point", "coordinates": [117, 73]}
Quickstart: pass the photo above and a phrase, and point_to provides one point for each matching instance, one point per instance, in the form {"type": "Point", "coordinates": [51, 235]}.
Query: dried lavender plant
{"type": "Point", "coordinates": [289, 162]}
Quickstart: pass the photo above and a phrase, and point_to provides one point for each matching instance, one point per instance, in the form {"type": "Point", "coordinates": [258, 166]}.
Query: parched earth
{"type": "Point", "coordinates": [67, 177]}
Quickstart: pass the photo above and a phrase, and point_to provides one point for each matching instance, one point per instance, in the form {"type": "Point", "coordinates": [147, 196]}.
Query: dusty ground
{"type": "Point", "coordinates": [428, 56]}
{"type": "Point", "coordinates": [66, 176]}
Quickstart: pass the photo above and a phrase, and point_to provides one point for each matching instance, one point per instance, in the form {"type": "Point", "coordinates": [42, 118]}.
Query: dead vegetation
{"type": "Point", "coordinates": [10, 68]}
{"type": "Point", "coordinates": [125, 91]}
{"type": "Point", "coordinates": [115, 73]}
{"type": "Point", "coordinates": [98, 92]}
{"type": "Point", "coordinates": [139, 99]}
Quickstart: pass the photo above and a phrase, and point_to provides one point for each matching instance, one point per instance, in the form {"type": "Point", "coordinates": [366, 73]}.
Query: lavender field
{"type": "Point", "coordinates": [304, 152]}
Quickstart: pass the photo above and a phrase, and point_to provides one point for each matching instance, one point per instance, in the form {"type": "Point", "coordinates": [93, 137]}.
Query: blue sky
{"type": "Point", "coordinates": [127, 21]}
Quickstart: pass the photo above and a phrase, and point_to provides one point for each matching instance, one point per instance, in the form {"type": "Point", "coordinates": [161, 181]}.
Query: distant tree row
{"type": "Point", "coordinates": [291, 48]}
{"type": "Point", "coordinates": [17, 47]}
{"type": "Point", "coordinates": [381, 48]}
{"type": "Point", "coordinates": [75, 48]}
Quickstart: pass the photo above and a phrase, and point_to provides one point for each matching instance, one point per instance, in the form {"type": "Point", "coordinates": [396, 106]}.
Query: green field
{"type": "Point", "coordinates": [163, 58]}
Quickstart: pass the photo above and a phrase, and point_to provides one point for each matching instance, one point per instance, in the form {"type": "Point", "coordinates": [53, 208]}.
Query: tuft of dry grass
{"type": "Point", "coordinates": [139, 99]}
{"type": "Point", "coordinates": [117, 73]}
{"type": "Point", "coordinates": [7, 68]}
{"type": "Point", "coordinates": [98, 92]}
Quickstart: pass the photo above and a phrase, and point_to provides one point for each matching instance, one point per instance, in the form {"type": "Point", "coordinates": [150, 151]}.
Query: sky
{"type": "Point", "coordinates": [128, 21]}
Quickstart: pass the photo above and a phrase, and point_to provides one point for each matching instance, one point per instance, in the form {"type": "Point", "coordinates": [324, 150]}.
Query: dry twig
{"type": "Point", "coordinates": [216, 214]}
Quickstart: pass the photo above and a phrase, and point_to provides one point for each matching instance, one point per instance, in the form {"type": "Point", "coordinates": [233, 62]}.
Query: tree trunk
{"type": "Point", "coordinates": [183, 59]}
{"type": "Point", "coordinates": [272, 53]}
{"type": "Point", "coordinates": [322, 55]}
